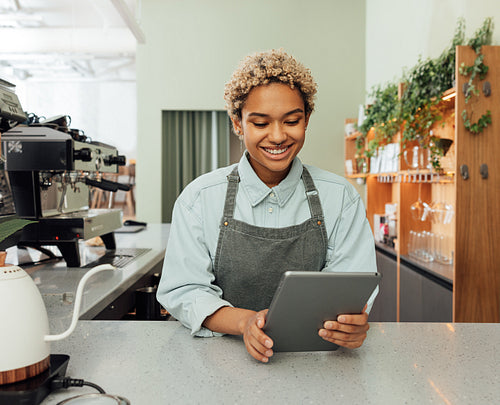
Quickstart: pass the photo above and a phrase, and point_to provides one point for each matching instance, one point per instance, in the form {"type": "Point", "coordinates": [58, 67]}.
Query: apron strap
{"type": "Point", "coordinates": [312, 195]}
{"type": "Point", "coordinates": [232, 190]}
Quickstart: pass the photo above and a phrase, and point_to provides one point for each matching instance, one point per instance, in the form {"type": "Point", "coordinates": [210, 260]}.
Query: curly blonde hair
{"type": "Point", "coordinates": [268, 67]}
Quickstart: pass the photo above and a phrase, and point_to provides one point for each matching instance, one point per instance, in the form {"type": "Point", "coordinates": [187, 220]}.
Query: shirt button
{"type": "Point", "coordinates": [271, 195]}
{"type": "Point", "coordinates": [270, 209]}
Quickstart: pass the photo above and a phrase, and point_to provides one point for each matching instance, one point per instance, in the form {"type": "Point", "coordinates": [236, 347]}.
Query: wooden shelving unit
{"type": "Point", "coordinates": [474, 232]}
{"type": "Point", "coordinates": [350, 156]}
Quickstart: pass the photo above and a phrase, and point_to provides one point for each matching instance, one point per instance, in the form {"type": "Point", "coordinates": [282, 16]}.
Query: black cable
{"type": "Point", "coordinates": [94, 386]}
{"type": "Point", "coordinates": [66, 382]}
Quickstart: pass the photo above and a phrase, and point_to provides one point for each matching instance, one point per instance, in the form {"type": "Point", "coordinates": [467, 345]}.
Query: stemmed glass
{"type": "Point", "coordinates": [419, 209]}
{"type": "Point", "coordinates": [442, 212]}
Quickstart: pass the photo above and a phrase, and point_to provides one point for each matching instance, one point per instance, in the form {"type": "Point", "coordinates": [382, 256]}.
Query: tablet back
{"type": "Point", "coordinates": [303, 301]}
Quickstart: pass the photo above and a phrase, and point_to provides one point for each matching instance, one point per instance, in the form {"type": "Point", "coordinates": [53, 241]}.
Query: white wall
{"type": "Point", "coordinates": [106, 111]}
{"type": "Point", "coordinates": [397, 32]}
{"type": "Point", "coordinates": [192, 47]}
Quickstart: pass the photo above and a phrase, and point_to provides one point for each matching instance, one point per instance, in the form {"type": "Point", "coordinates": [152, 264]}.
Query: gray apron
{"type": "Point", "coordinates": [250, 260]}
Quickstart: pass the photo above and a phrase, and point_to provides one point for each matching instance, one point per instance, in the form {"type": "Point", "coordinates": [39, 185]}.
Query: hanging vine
{"type": "Point", "coordinates": [477, 70]}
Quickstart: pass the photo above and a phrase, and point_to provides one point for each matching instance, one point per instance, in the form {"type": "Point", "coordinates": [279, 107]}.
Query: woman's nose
{"type": "Point", "coordinates": [277, 134]}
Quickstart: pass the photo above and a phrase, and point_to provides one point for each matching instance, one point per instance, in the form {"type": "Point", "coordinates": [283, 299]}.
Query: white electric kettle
{"type": "Point", "coordinates": [24, 325]}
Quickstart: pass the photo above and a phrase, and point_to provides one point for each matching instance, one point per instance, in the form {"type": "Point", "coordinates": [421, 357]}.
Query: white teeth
{"type": "Point", "coordinates": [276, 151]}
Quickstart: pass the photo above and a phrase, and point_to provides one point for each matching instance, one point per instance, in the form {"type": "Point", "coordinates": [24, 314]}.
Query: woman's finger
{"type": "Point", "coordinates": [255, 353]}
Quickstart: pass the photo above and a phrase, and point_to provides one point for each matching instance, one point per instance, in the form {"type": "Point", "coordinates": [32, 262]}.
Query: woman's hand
{"type": "Point", "coordinates": [239, 321]}
{"type": "Point", "coordinates": [347, 331]}
{"type": "Point", "coordinates": [258, 344]}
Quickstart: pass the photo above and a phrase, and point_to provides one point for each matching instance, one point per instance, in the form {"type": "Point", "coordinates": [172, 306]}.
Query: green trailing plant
{"type": "Point", "coordinates": [420, 101]}
{"type": "Point", "coordinates": [480, 125]}
{"type": "Point", "coordinates": [477, 70]}
{"type": "Point", "coordinates": [381, 117]}
{"type": "Point", "coordinates": [420, 107]}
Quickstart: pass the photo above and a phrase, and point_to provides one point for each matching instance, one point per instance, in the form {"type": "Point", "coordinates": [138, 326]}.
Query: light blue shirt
{"type": "Point", "coordinates": [186, 288]}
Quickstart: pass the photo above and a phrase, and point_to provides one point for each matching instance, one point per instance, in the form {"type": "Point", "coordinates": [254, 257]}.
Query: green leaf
{"type": "Point", "coordinates": [11, 225]}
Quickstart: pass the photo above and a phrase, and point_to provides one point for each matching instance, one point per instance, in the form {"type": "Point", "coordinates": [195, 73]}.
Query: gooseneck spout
{"type": "Point", "coordinates": [78, 300]}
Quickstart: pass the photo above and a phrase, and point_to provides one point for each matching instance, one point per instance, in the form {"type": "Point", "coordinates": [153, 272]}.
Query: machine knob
{"type": "Point", "coordinates": [84, 154]}
{"type": "Point", "coordinates": [119, 160]}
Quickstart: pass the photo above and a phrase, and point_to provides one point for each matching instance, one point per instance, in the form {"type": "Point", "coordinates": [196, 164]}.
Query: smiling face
{"type": "Point", "coordinates": [273, 123]}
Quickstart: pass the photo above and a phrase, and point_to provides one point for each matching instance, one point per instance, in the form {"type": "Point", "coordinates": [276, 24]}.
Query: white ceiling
{"type": "Point", "coordinates": [69, 39]}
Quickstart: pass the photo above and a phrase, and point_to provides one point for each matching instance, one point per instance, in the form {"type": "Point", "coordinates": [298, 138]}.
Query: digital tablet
{"type": "Point", "coordinates": [304, 300]}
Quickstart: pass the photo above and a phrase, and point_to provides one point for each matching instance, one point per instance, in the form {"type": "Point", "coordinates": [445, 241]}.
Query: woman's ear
{"type": "Point", "coordinates": [307, 119]}
{"type": "Point", "coordinates": [237, 126]}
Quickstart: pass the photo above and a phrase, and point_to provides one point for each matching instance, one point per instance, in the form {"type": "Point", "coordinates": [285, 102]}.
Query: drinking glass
{"type": "Point", "coordinates": [412, 243]}
{"type": "Point", "coordinates": [435, 246]}
{"type": "Point", "coordinates": [445, 250]}
{"type": "Point", "coordinates": [427, 246]}
{"type": "Point", "coordinates": [414, 161]}
{"type": "Point", "coordinates": [425, 159]}
{"type": "Point", "coordinates": [420, 245]}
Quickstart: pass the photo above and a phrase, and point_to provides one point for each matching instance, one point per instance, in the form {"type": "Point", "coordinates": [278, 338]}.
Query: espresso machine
{"type": "Point", "coordinates": [51, 170]}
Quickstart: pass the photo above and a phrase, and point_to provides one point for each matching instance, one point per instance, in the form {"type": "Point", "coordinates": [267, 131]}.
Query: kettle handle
{"type": "Point", "coordinates": [78, 299]}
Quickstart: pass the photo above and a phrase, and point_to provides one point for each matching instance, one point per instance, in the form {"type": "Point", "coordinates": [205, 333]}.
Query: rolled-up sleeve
{"type": "Point", "coordinates": [186, 289]}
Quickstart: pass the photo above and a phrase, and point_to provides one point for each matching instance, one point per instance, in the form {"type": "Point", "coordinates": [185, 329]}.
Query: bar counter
{"type": "Point", "coordinates": [410, 363]}
{"type": "Point", "coordinates": [161, 363]}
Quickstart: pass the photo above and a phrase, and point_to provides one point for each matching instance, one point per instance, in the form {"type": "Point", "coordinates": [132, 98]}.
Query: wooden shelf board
{"type": "Point", "coordinates": [447, 175]}
{"type": "Point", "coordinates": [449, 94]}
{"type": "Point", "coordinates": [356, 176]}
{"type": "Point", "coordinates": [353, 136]}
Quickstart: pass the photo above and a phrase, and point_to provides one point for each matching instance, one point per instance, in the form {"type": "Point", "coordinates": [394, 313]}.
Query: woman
{"type": "Point", "coordinates": [237, 229]}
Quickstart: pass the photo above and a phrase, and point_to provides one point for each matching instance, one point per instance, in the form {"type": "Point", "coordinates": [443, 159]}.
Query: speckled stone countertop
{"type": "Point", "coordinates": [400, 363]}
{"type": "Point", "coordinates": [160, 363]}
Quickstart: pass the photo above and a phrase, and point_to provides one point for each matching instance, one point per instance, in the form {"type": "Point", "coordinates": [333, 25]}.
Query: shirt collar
{"type": "Point", "coordinates": [257, 190]}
